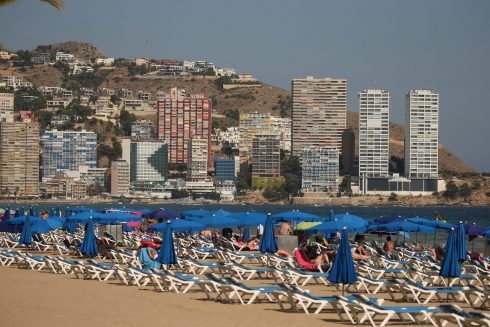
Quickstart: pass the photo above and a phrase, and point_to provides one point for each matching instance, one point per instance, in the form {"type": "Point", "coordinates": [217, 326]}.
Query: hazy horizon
{"type": "Point", "coordinates": [393, 45]}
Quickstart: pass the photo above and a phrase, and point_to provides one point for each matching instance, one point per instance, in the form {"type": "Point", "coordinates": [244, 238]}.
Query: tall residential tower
{"type": "Point", "coordinates": [374, 133]}
{"type": "Point", "coordinates": [421, 134]}
{"type": "Point", "coordinates": [319, 113]}
{"type": "Point", "coordinates": [180, 118]}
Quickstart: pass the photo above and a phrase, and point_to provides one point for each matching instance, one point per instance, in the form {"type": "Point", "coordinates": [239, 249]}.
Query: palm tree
{"type": "Point", "coordinates": [58, 4]}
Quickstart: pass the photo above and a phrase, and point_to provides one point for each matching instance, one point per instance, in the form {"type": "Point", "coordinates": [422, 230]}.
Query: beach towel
{"type": "Point", "coordinates": [146, 261]}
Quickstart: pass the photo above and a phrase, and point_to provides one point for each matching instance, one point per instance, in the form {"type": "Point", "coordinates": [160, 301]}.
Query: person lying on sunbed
{"type": "Point", "coordinates": [252, 245]}
{"type": "Point", "coordinates": [147, 256]}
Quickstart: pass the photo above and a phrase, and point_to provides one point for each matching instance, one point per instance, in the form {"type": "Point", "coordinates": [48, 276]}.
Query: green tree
{"type": "Point", "coordinates": [126, 120]}
{"type": "Point", "coordinates": [94, 189]}
{"type": "Point", "coordinates": [393, 197]}
{"type": "Point", "coordinates": [44, 118]}
{"type": "Point", "coordinates": [464, 191]}
{"type": "Point", "coordinates": [179, 194]}
{"type": "Point", "coordinates": [292, 184]}
{"type": "Point", "coordinates": [345, 185]}
{"type": "Point", "coordinates": [233, 114]}
{"type": "Point", "coordinates": [451, 191]}
{"type": "Point", "coordinates": [242, 182]}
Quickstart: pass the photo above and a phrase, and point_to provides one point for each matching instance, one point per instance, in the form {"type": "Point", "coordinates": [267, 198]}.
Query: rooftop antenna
{"type": "Point", "coordinates": [147, 46]}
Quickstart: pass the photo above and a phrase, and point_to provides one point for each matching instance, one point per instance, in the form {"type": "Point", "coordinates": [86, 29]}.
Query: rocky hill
{"type": "Point", "coordinates": [266, 98]}
{"type": "Point", "coordinates": [81, 50]}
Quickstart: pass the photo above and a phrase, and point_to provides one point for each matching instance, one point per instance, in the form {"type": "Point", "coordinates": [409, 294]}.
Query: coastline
{"type": "Point", "coordinates": [355, 201]}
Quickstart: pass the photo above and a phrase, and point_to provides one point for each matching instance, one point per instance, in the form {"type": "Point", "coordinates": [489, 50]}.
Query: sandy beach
{"type": "Point", "coordinates": [47, 299]}
{"type": "Point", "coordinates": [60, 300]}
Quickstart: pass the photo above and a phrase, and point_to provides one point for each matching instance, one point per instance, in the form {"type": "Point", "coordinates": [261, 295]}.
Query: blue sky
{"type": "Point", "coordinates": [397, 45]}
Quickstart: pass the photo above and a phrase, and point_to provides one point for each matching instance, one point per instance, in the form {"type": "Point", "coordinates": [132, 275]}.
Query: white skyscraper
{"type": "Point", "coordinates": [374, 133]}
{"type": "Point", "coordinates": [421, 134]}
{"type": "Point", "coordinates": [320, 169]}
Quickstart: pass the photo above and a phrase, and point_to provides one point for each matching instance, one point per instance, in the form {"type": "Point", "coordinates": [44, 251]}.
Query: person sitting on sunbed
{"type": "Point", "coordinates": [147, 256]}
{"type": "Point", "coordinates": [320, 258]}
{"type": "Point", "coordinates": [389, 246]}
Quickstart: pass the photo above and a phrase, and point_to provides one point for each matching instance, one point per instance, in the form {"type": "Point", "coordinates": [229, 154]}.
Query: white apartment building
{"type": "Point", "coordinates": [319, 114]}
{"type": "Point", "coordinates": [250, 125]}
{"type": "Point", "coordinates": [197, 159]}
{"type": "Point", "coordinates": [6, 107]}
{"type": "Point", "coordinates": [320, 169]}
{"type": "Point", "coordinates": [65, 57]}
{"type": "Point", "coordinates": [374, 133]}
{"type": "Point", "coordinates": [282, 127]}
{"type": "Point", "coordinates": [56, 104]}
{"type": "Point", "coordinates": [231, 135]}
{"type": "Point", "coordinates": [104, 61]}
{"type": "Point", "coordinates": [421, 134]}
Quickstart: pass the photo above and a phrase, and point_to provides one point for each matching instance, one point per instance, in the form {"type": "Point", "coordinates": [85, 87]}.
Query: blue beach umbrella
{"type": "Point", "coordinates": [89, 244]}
{"type": "Point", "coordinates": [401, 226]}
{"type": "Point", "coordinates": [387, 220]}
{"type": "Point", "coordinates": [58, 211]}
{"type": "Point", "coordinates": [351, 220]}
{"type": "Point", "coordinates": [84, 217]}
{"type": "Point", "coordinates": [162, 214]}
{"type": "Point", "coordinates": [167, 254]}
{"type": "Point", "coordinates": [31, 212]}
{"type": "Point", "coordinates": [330, 227]}
{"type": "Point", "coordinates": [460, 242]}
{"type": "Point", "coordinates": [46, 225]}
{"type": "Point", "coordinates": [343, 271]}
{"type": "Point", "coordinates": [487, 233]}
{"type": "Point", "coordinates": [196, 213]}
{"type": "Point", "coordinates": [268, 241]}
{"type": "Point", "coordinates": [178, 225]}
{"type": "Point", "coordinates": [22, 211]}
{"type": "Point", "coordinates": [115, 217]}
{"type": "Point", "coordinates": [296, 216]}
{"type": "Point", "coordinates": [450, 266]}
{"type": "Point", "coordinates": [26, 235]}
{"type": "Point", "coordinates": [23, 220]}
{"type": "Point", "coordinates": [249, 219]}
{"type": "Point", "coordinates": [51, 212]}
{"type": "Point", "coordinates": [217, 221]}
{"type": "Point", "coordinates": [430, 223]}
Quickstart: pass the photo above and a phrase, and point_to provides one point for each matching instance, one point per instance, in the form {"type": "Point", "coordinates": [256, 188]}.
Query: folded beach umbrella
{"type": "Point", "coordinates": [31, 212]}
{"type": "Point", "coordinates": [460, 242]}
{"type": "Point", "coordinates": [249, 219]}
{"type": "Point", "coordinates": [196, 213]}
{"type": "Point", "coordinates": [330, 227]}
{"type": "Point", "coordinates": [268, 241]}
{"type": "Point", "coordinates": [178, 225]}
{"type": "Point", "coordinates": [450, 265]}
{"type": "Point", "coordinates": [89, 244]}
{"type": "Point", "coordinates": [162, 214]}
{"type": "Point", "coordinates": [26, 235]}
{"type": "Point", "coordinates": [57, 212]}
{"type": "Point", "coordinates": [343, 271]}
{"type": "Point", "coordinates": [245, 235]}
{"type": "Point", "coordinates": [487, 233]}
{"type": "Point", "coordinates": [45, 225]}
{"type": "Point", "coordinates": [21, 211]}
{"type": "Point", "coordinates": [167, 255]}
{"type": "Point", "coordinates": [51, 212]}
{"type": "Point", "coordinates": [430, 222]}
{"type": "Point", "coordinates": [296, 216]}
